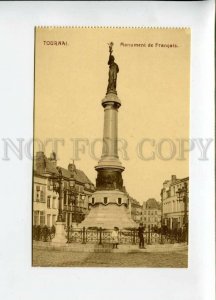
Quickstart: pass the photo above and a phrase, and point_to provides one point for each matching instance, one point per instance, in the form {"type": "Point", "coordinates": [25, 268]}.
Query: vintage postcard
{"type": "Point", "coordinates": [111, 163]}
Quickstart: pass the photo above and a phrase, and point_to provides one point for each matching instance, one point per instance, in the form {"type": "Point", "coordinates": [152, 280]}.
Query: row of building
{"type": "Point", "coordinates": [171, 211]}
{"type": "Point", "coordinates": [76, 191]}
{"type": "Point", "coordinates": [76, 195]}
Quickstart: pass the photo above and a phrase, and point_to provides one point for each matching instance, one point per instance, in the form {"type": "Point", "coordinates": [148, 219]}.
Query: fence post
{"type": "Point", "coordinates": [84, 235]}
{"type": "Point", "coordinates": [187, 233]}
{"type": "Point", "coordinates": [100, 236]}
{"type": "Point", "coordinates": [68, 235]}
{"type": "Point", "coordinates": [134, 236]}
{"type": "Point", "coordinates": [161, 242]}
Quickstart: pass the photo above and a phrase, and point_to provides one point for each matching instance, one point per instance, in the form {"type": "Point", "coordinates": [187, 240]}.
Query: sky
{"type": "Point", "coordinates": [152, 84]}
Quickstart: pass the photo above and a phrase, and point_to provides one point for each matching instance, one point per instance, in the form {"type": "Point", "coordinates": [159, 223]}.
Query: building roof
{"type": "Point", "coordinates": [152, 204]}
{"type": "Point", "coordinates": [134, 201]}
{"type": "Point", "coordinates": [48, 166]}
{"type": "Point", "coordinates": [174, 180]}
{"type": "Point", "coordinates": [78, 175]}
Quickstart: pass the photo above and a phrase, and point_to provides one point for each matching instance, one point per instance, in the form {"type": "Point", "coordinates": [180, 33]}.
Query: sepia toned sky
{"type": "Point", "coordinates": [153, 85]}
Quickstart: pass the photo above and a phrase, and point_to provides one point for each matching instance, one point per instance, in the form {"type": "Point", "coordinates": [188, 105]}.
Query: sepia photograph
{"type": "Point", "coordinates": [110, 184]}
{"type": "Point", "coordinates": [107, 150]}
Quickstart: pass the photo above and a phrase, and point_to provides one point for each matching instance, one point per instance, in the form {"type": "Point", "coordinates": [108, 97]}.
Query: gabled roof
{"type": "Point", "coordinates": [78, 175]}
{"type": "Point", "coordinates": [45, 166]}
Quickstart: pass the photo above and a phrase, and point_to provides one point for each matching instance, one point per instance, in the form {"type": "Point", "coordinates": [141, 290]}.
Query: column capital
{"type": "Point", "coordinates": [111, 98]}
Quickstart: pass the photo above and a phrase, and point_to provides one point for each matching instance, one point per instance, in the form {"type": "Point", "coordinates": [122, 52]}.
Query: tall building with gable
{"type": "Point", "coordinates": [174, 209]}
{"type": "Point", "coordinates": [46, 199]}
{"type": "Point", "coordinates": [151, 213]}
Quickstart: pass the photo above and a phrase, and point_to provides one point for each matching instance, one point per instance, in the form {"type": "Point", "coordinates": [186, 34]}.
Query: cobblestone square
{"type": "Point", "coordinates": [53, 258]}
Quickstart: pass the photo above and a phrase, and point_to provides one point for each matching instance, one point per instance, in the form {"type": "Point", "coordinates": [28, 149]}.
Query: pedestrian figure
{"type": "Point", "coordinates": [141, 236]}
{"type": "Point", "coordinates": [115, 237]}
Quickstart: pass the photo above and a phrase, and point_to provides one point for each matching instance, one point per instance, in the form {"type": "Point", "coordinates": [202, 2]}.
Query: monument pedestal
{"type": "Point", "coordinates": [109, 202]}
{"type": "Point", "coordinates": [60, 234]}
{"type": "Point", "coordinates": [110, 209]}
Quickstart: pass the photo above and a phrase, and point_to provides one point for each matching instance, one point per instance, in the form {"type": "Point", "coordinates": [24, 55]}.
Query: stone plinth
{"type": "Point", "coordinates": [108, 216]}
{"type": "Point", "coordinates": [60, 234]}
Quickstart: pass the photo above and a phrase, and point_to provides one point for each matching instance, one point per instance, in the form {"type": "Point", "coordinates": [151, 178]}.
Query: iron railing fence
{"type": "Point", "coordinates": [125, 236]}
{"type": "Point", "coordinates": [104, 236]}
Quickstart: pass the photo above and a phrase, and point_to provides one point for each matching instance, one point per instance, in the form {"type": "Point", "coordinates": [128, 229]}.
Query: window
{"type": "Point", "coordinates": [48, 202]}
{"type": "Point", "coordinates": [119, 200]}
{"type": "Point", "coordinates": [49, 220]}
{"type": "Point", "coordinates": [42, 194]}
{"type": "Point", "coordinates": [36, 217]}
{"type": "Point", "coordinates": [54, 202]}
{"type": "Point", "coordinates": [155, 219]}
{"type": "Point", "coordinates": [105, 200]}
{"type": "Point", "coordinates": [144, 212]}
{"type": "Point", "coordinates": [148, 212]}
{"type": "Point", "coordinates": [37, 193]}
{"type": "Point", "coordinates": [36, 197]}
{"type": "Point", "coordinates": [93, 200]}
{"type": "Point", "coordinates": [155, 212]}
{"type": "Point", "coordinates": [42, 218]}
{"type": "Point", "coordinates": [49, 185]}
{"type": "Point", "coordinates": [144, 218]}
{"type": "Point", "coordinates": [53, 219]}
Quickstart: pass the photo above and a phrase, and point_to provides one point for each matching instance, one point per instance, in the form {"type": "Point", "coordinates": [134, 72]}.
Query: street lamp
{"type": "Point", "coordinates": [161, 194]}
{"type": "Point", "coordinates": [57, 182]}
{"type": "Point", "coordinates": [182, 195]}
{"type": "Point", "coordinates": [72, 193]}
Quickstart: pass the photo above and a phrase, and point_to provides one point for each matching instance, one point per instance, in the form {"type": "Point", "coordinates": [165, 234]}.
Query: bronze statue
{"type": "Point", "coordinates": [113, 70]}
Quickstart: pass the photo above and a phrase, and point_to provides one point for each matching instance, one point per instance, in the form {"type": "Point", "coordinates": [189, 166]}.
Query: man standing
{"type": "Point", "coordinates": [141, 236]}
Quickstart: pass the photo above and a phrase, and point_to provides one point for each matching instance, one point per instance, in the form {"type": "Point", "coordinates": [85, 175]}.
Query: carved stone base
{"type": "Point", "coordinates": [109, 179]}
{"type": "Point", "coordinates": [108, 216]}
{"type": "Point", "coordinates": [60, 234]}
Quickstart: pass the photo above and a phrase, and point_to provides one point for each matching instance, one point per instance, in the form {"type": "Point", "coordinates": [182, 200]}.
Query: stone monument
{"type": "Point", "coordinates": [110, 201]}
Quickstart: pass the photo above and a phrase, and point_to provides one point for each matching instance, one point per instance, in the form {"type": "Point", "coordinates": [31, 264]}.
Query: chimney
{"type": "Point", "coordinates": [72, 168]}
{"type": "Point", "coordinates": [40, 162]}
{"type": "Point", "coordinates": [173, 178]}
{"type": "Point", "coordinates": [53, 159]}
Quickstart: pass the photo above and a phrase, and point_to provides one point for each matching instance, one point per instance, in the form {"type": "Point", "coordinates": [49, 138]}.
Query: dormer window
{"type": "Point", "coordinates": [105, 200]}
{"type": "Point", "coordinates": [119, 200]}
